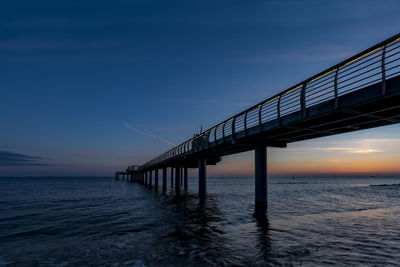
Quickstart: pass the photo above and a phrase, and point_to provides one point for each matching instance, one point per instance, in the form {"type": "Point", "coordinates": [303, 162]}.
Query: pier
{"type": "Point", "coordinates": [359, 93]}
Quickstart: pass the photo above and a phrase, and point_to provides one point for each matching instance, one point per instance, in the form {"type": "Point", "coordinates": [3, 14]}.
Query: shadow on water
{"type": "Point", "coordinates": [196, 231]}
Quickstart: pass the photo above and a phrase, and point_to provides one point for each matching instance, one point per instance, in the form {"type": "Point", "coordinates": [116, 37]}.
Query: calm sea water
{"type": "Point", "coordinates": [101, 222]}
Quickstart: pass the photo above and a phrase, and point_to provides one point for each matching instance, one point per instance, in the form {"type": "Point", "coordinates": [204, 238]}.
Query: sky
{"type": "Point", "coordinates": [90, 87]}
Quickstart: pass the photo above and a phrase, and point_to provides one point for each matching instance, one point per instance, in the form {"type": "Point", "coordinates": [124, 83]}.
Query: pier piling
{"type": "Point", "coordinates": [177, 176]}
{"type": "Point", "coordinates": [164, 183]}
{"type": "Point", "coordinates": [172, 176]}
{"type": "Point", "coordinates": [260, 160]}
{"type": "Point", "coordinates": [185, 177]}
{"type": "Point", "coordinates": [202, 176]}
{"type": "Point", "coordinates": [156, 178]}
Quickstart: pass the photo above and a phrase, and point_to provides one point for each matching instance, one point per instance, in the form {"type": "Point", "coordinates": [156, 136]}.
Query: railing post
{"type": "Point", "coordinates": [208, 139]}
{"type": "Point", "coordinates": [384, 91]}
{"type": "Point", "coordinates": [233, 128]}
{"type": "Point", "coordinates": [223, 132]}
{"type": "Point", "coordinates": [303, 101]}
{"type": "Point", "coordinates": [278, 110]}
{"type": "Point", "coordinates": [245, 123]}
{"type": "Point", "coordinates": [259, 117]}
{"type": "Point", "coordinates": [336, 89]}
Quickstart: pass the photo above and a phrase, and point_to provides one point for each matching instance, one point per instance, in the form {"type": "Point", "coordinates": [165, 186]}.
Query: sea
{"type": "Point", "coordinates": [97, 221]}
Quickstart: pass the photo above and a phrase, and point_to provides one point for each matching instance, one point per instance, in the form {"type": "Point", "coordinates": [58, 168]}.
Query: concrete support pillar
{"type": "Point", "coordinates": [177, 176]}
{"type": "Point", "coordinates": [116, 176]}
{"type": "Point", "coordinates": [150, 177]}
{"type": "Point", "coordinates": [172, 176]}
{"type": "Point", "coordinates": [164, 177]}
{"type": "Point", "coordinates": [156, 178]}
{"type": "Point", "coordinates": [181, 179]}
{"type": "Point", "coordinates": [146, 178]}
{"type": "Point", "coordinates": [202, 176]}
{"type": "Point", "coordinates": [185, 177]}
{"type": "Point", "coordinates": [260, 160]}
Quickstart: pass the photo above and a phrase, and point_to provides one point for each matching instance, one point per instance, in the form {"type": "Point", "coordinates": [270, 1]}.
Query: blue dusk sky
{"type": "Point", "coordinates": [90, 87]}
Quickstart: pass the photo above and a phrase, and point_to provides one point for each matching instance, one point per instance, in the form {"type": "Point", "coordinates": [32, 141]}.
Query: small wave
{"type": "Point", "coordinates": [4, 262]}
{"type": "Point", "coordinates": [30, 233]}
{"type": "Point", "coordinates": [291, 183]}
{"type": "Point", "coordinates": [123, 232]}
{"type": "Point", "coordinates": [384, 185]}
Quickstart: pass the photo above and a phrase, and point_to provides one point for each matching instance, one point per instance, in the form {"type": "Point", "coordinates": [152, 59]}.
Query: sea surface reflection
{"type": "Point", "coordinates": [97, 221]}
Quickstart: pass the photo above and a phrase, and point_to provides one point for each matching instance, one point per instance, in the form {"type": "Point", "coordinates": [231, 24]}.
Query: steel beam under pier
{"type": "Point", "coordinates": [202, 176]}
{"type": "Point", "coordinates": [260, 161]}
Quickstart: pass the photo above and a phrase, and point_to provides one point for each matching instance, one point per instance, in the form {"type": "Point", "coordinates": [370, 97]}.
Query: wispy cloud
{"type": "Point", "coordinates": [306, 54]}
{"type": "Point", "coordinates": [8, 158]}
{"type": "Point", "coordinates": [381, 140]}
{"type": "Point", "coordinates": [352, 150]}
{"type": "Point", "coordinates": [364, 151]}
{"type": "Point", "coordinates": [127, 125]}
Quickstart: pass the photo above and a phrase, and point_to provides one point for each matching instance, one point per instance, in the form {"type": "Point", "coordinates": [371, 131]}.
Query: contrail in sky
{"type": "Point", "coordinates": [127, 125]}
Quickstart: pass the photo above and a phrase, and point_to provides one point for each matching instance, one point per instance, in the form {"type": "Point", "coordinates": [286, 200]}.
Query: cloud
{"type": "Point", "coordinates": [381, 140]}
{"type": "Point", "coordinates": [352, 150]}
{"type": "Point", "coordinates": [364, 151]}
{"type": "Point", "coordinates": [306, 54]}
{"type": "Point", "coordinates": [8, 158]}
{"type": "Point", "coordinates": [148, 134]}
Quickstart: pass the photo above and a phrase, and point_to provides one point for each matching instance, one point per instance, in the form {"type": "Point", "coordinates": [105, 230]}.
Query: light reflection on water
{"type": "Point", "coordinates": [97, 221]}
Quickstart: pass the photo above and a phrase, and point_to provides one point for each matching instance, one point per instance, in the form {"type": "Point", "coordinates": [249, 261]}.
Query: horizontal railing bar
{"type": "Point", "coordinates": [358, 86]}
{"type": "Point", "coordinates": [314, 83]}
{"type": "Point", "coordinates": [378, 73]}
{"type": "Point", "coordinates": [342, 76]}
{"type": "Point", "coordinates": [363, 61]}
{"type": "Point", "coordinates": [350, 79]}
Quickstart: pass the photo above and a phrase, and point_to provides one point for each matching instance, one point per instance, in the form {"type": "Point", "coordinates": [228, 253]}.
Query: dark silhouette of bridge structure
{"type": "Point", "coordinates": [359, 93]}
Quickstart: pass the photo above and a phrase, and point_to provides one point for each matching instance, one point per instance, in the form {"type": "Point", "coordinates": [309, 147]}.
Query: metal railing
{"type": "Point", "coordinates": [374, 65]}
